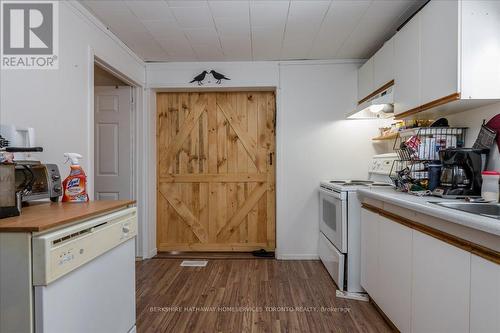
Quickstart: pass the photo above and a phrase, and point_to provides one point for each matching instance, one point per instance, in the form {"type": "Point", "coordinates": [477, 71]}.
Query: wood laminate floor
{"type": "Point", "coordinates": [246, 296]}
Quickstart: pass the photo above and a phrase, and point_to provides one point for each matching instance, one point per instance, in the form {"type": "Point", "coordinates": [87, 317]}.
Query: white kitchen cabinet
{"type": "Point", "coordinates": [485, 296]}
{"type": "Point", "coordinates": [441, 286]}
{"type": "Point", "coordinates": [365, 79]}
{"type": "Point", "coordinates": [383, 62]}
{"type": "Point", "coordinates": [480, 49]}
{"type": "Point", "coordinates": [386, 266]}
{"type": "Point", "coordinates": [448, 52]}
{"type": "Point", "coordinates": [438, 50]}
{"type": "Point", "coordinates": [394, 280]}
{"type": "Point", "coordinates": [407, 65]}
{"type": "Point", "coordinates": [369, 252]}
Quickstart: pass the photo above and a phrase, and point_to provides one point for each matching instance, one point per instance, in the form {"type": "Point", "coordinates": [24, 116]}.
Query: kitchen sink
{"type": "Point", "coordinates": [485, 209]}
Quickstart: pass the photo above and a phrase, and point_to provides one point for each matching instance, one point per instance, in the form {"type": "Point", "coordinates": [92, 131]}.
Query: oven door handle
{"type": "Point", "coordinates": [334, 194]}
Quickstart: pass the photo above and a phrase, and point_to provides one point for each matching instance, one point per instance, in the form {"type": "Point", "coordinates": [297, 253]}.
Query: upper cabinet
{"type": "Point", "coordinates": [426, 53]}
{"type": "Point", "coordinates": [377, 71]}
{"type": "Point", "coordinates": [440, 60]}
{"type": "Point", "coordinates": [383, 65]}
{"type": "Point", "coordinates": [407, 67]}
{"type": "Point", "coordinates": [445, 54]}
{"type": "Point", "coordinates": [365, 79]}
{"type": "Point", "coordinates": [438, 50]}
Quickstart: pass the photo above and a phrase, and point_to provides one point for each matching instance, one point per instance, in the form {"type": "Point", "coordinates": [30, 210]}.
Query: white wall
{"type": "Point", "coordinates": [59, 103]}
{"type": "Point", "coordinates": [317, 143]}
{"type": "Point", "coordinates": [314, 141]}
{"type": "Point", "coordinates": [242, 74]}
{"type": "Point", "coordinates": [473, 119]}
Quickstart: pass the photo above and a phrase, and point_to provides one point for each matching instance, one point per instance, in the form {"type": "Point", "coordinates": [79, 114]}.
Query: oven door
{"type": "Point", "coordinates": [333, 217]}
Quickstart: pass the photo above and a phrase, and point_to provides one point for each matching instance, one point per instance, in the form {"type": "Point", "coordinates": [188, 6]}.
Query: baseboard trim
{"type": "Point", "coordinates": [152, 253]}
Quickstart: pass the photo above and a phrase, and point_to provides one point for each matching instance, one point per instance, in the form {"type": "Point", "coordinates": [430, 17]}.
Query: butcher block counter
{"type": "Point", "coordinates": [45, 216]}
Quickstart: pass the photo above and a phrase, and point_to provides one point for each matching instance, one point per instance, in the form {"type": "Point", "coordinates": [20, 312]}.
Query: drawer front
{"type": "Point", "coordinates": [333, 260]}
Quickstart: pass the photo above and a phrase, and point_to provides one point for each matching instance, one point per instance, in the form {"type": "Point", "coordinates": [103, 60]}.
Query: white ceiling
{"type": "Point", "coordinates": [225, 30]}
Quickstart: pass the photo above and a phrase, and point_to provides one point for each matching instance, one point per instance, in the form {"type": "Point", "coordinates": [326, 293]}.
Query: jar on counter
{"type": "Point", "coordinates": [490, 188]}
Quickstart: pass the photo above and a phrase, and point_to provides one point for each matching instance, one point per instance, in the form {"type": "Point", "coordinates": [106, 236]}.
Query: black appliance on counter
{"type": "Point", "coordinates": [461, 172]}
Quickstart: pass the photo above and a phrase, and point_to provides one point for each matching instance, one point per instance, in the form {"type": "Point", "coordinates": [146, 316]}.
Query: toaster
{"type": "Point", "coordinates": [36, 181]}
{"type": "Point", "coordinates": [10, 202]}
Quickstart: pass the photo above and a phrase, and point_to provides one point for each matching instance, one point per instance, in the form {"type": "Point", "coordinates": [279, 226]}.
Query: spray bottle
{"type": "Point", "coordinates": [75, 185]}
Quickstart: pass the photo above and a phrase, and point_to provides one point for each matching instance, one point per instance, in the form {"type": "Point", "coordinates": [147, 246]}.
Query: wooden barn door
{"type": "Point", "coordinates": [216, 174]}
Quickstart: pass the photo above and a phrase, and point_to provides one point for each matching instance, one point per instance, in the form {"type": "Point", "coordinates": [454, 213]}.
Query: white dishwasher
{"type": "Point", "coordinates": [84, 276]}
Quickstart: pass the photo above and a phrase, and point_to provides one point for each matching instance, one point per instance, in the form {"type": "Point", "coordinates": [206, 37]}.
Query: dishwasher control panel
{"type": "Point", "coordinates": [58, 253]}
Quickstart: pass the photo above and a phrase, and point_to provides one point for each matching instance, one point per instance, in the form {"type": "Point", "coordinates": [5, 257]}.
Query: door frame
{"type": "Point", "coordinates": [139, 165]}
{"type": "Point", "coordinates": [149, 240]}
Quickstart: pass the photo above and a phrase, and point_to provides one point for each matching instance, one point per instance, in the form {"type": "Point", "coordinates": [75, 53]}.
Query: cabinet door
{"type": "Point", "coordinates": [383, 62]}
{"type": "Point", "coordinates": [439, 50]}
{"type": "Point", "coordinates": [407, 66]}
{"type": "Point", "coordinates": [369, 252]}
{"type": "Point", "coordinates": [395, 276]}
{"type": "Point", "coordinates": [441, 286]}
{"type": "Point", "coordinates": [485, 296]}
{"type": "Point", "coordinates": [365, 79]}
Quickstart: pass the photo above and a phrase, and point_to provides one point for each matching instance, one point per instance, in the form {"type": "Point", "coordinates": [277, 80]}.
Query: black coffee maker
{"type": "Point", "coordinates": [461, 172]}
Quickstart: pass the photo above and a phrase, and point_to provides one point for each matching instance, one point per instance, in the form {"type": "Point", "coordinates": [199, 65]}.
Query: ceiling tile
{"type": "Point", "coordinates": [269, 12]}
{"type": "Point", "coordinates": [307, 12]}
{"type": "Point", "coordinates": [232, 27]}
{"type": "Point", "coordinates": [208, 52]}
{"type": "Point", "coordinates": [187, 3]}
{"type": "Point", "coordinates": [237, 49]}
{"type": "Point", "coordinates": [266, 43]}
{"type": "Point", "coordinates": [164, 26]}
{"type": "Point", "coordinates": [181, 45]}
{"type": "Point", "coordinates": [204, 30]}
{"type": "Point", "coordinates": [126, 24]}
{"type": "Point", "coordinates": [150, 9]}
{"type": "Point", "coordinates": [202, 36]}
{"type": "Point", "coordinates": [105, 8]}
{"type": "Point", "coordinates": [304, 20]}
{"type": "Point", "coordinates": [193, 17]}
{"type": "Point", "coordinates": [228, 8]}
{"type": "Point", "coordinates": [368, 36]}
{"type": "Point", "coordinates": [340, 21]}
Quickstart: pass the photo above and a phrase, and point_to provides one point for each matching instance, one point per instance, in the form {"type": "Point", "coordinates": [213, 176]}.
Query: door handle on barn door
{"type": "Point", "coordinates": [270, 158]}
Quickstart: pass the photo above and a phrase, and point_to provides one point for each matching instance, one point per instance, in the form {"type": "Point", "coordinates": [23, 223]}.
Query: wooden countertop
{"type": "Point", "coordinates": [41, 217]}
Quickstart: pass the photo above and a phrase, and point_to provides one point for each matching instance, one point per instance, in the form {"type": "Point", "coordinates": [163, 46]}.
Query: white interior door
{"type": "Point", "coordinates": [113, 142]}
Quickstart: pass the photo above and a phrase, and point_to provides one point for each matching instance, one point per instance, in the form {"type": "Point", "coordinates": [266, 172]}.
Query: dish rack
{"type": "Point", "coordinates": [416, 149]}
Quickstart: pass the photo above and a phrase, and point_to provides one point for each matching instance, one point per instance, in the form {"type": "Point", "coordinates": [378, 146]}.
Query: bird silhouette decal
{"type": "Point", "coordinates": [199, 78]}
{"type": "Point", "coordinates": [218, 76]}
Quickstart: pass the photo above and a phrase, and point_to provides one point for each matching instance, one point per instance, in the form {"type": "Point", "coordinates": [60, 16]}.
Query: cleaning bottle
{"type": "Point", "coordinates": [75, 185]}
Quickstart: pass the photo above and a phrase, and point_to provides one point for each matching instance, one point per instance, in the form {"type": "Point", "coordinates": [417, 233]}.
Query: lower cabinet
{"type": "Point", "coordinates": [441, 286]}
{"type": "Point", "coordinates": [369, 252]}
{"type": "Point", "coordinates": [424, 284]}
{"type": "Point", "coordinates": [485, 296]}
{"type": "Point", "coordinates": [386, 266]}
{"type": "Point", "coordinates": [395, 272]}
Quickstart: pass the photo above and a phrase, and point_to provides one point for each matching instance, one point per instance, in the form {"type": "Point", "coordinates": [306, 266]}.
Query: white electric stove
{"type": "Point", "coordinates": [340, 236]}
